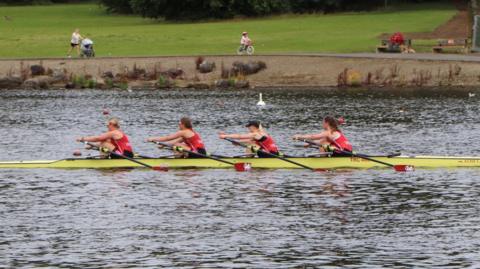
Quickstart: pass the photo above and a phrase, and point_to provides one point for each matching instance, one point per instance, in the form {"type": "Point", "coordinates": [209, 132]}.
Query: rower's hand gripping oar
{"type": "Point", "coordinates": [272, 155]}
{"type": "Point", "coordinates": [398, 167]}
{"type": "Point", "coordinates": [240, 167]}
{"type": "Point", "coordinates": [105, 150]}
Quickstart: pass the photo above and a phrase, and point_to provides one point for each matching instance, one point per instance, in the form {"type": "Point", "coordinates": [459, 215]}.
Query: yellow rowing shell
{"type": "Point", "coordinates": [267, 163]}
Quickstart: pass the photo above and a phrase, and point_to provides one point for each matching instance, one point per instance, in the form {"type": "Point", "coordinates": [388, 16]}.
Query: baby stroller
{"type": "Point", "coordinates": [86, 48]}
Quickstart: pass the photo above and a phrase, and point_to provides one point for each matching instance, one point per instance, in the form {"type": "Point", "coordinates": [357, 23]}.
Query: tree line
{"type": "Point", "coordinates": [37, 2]}
{"type": "Point", "coordinates": [222, 9]}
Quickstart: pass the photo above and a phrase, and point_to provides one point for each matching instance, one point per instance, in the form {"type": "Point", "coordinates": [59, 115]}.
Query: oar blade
{"type": "Point", "coordinates": [321, 170]}
{"type": "Point", "coordinates": [243, 167]}
{"type": "Point", "coordinates": [160, 168]}
{"type": "Point", "coordinates": [404, 168]}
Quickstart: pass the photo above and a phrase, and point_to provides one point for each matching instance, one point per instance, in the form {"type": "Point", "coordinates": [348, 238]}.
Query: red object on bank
{"type": "Point", "coordinates": [397, 39]}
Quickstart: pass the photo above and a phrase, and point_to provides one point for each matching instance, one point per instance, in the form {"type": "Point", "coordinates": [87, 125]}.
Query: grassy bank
{"type": "Point", "coordinates": [44, 31]}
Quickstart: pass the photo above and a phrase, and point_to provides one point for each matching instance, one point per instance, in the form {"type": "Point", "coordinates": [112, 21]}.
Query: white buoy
{"type": "Point", "coordinates": [260, 101]}
{"type": "Point", "coordinates": [471, 95]}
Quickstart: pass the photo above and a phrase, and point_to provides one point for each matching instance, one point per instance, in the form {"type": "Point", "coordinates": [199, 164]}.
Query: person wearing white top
{"type": "Point", "coordinates": [75, 42]}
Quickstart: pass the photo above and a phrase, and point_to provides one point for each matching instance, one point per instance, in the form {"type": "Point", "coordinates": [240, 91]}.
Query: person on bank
{"type": "Point", "coordinates": [185, 137]}
{"type": "Point", "coordinates": [330, 139]}
{"type": "Point", "coordinates": [115, 140]}
{"type": "Point", "coordinates": [245, 41]}
{"type": "Point", "coordinates": [75, 43]}
{"type": "Point", "coordinates": [256, 136]}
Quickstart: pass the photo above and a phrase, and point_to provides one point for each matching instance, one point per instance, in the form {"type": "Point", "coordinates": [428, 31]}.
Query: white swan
{"type": "Point", "coordinates": [471, 95]}
{"type": "Point", "coordinates": [260, 101]}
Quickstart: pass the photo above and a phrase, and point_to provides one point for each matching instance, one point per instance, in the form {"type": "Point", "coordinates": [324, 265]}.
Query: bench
{"type": "Point", "coordinates": [442, 44]}
{"type": "Point", "coordinates": [388, 47]}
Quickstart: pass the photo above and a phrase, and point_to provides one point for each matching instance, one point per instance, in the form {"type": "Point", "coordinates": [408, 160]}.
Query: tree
{"type": "Point", "coordinates": [205, 9]}
{"type": "Point", "coordinates": [117, 6]}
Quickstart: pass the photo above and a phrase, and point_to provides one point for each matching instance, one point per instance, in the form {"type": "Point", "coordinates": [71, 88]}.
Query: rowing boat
{"type": "Point", "coordinates": [261, 163]}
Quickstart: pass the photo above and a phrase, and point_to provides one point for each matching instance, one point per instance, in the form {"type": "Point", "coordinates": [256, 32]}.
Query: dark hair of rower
{"type": "Point", "coordinates": [186, 122]}
{"type": "Point", "coordinates": [332, 122]}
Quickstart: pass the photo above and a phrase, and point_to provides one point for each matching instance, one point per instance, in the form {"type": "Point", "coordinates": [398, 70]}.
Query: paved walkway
{"type": "Point", "coordinates": [410, 56]}
{"type": "Point", "coordinates": [365, 55]}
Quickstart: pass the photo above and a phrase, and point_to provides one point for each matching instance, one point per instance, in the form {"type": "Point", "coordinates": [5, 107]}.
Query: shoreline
{"type": "Point", "coordinates": [295, 70]}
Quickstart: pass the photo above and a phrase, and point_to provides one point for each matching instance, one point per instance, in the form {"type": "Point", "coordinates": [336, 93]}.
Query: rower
{"type": "Point", "coordinates": [331, 139]}
{"type": "Point", "coordinates": [257, 136]}
{"type": "Point", "coordinates": [113, 140]}
{"type": "Point", "coordinates": [186, 138]}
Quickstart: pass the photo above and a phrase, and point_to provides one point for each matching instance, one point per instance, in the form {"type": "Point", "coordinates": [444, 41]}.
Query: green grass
{"type": "Point", "coordinates": [44, 31]}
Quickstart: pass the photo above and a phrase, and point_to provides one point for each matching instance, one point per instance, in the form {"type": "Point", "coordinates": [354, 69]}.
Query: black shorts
{"type": "Point", "coordinates": [199, 151]}
{"type": "Point", "coordinates": [261, 154]}
{"type": "Point", "coordinates": [340, 154]}
{"type": "Point", "coordinates": [74, 45]}
{"type": "Point", "coordinates": [125, 153]}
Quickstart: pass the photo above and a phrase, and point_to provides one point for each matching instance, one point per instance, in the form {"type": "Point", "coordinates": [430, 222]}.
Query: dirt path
{"type": "Point", "coordinates": [311, 70]}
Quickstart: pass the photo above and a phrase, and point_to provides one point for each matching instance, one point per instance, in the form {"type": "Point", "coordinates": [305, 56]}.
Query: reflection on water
{"type": "Point", "coordinates": [221, 218]}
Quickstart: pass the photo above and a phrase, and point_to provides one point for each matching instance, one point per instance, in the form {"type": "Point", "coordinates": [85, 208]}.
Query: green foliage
{"type": "Point", "coordinates": [182, 9]}
{"type": "Point", "coordinates": [123, 86]}
{"type": "Point", "coordinates": [118, 6]}
{"type": "Point", "coordinates": [37, 2]}
{"type": "Point", "coordinates": [231, 82]}
{"type": "Point", "coordinates": [165, 82]}
{"type": "Point", "coordinates": [79, 81]}
{"type": "Point", "coordinates": [220, 9]}
{"type": "Point", "coordinates": [91, 84]}
{"type": "Point", "coordinates": [109, 83]}
{"type": "Point", "coordinates": [162, 81]}
{"type": "Point", "coordinates": [260, 8]}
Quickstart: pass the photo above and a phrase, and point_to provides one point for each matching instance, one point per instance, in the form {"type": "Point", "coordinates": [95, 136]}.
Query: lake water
{"type": "Point", "coordinates": [226, 219]}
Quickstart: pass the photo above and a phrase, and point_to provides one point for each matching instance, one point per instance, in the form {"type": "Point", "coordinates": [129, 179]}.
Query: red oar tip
{"type": "Point", "coordinates": [404, 168]}
{"type": "Point", "coordinates": [160, 168]}
{"type": "Point", "coordinates": [77, 153]}
{"type": "Point", "coordinates": [341, 120]}
{"type": "Point", "coordinates": [106, 112]}
{"type": "Point", "coordinates": [320, 170]}
{"type": "Point", "coordinates": [243, 167]}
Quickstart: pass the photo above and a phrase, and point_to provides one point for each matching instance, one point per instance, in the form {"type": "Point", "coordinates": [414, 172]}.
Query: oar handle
{"type": "Point", "coordinates": [177, 148]}
{"type": "Point", "coordinates": [235, 142]}
{"type": "Point", "coordinates": [311, 143]}
{"type": "Point", "coordinates": [401, 168]}
{"type": "Point", "coordinates": [105, 150]}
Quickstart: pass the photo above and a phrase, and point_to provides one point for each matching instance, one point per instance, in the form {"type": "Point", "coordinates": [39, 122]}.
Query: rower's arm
{"type": "Point", "coordinates": [177, 135]}
{"type": "Point", "coordinates": [99, 138]}
{"type": "Point", "coordinates": [311, 136]}
{"type": "Point", "coordinates": [175, 141]}
{"type": "Point", "coordinates": [237, 136]}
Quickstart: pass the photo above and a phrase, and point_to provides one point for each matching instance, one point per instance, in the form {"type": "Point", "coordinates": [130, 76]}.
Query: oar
{"type": "Point", "coordinates": [240, 167]}
{"type": "Point", "coordinates": [273, 155]}
{"type": "Point", "coordinates": [398, 167]}
{"type": "Point", "coordinates": [105, 150]}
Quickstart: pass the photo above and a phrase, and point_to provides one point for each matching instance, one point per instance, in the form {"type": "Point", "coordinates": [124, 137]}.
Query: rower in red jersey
{"type": "Point", "coordinates": [331, 138]}
{"type": "Point", "coordinates": [257, 136]}
{"type": "Point", "coordinates": [114, 140]}
{"type": "Point", "coordinates": [185, 138]}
